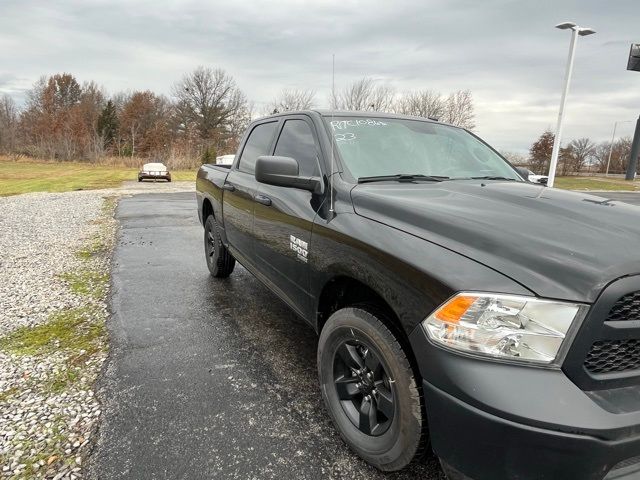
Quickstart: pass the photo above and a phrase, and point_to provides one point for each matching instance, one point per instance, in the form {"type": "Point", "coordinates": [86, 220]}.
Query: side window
{"type": "Point", "coordinates": [296, 141]}
{"type": "Point", "coordinates": [257, 145]}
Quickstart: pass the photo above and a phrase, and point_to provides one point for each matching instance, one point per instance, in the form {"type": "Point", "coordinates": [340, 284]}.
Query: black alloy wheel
{"type": "Point", "coordinates": [209, 245]}
{"type": "Point", "coordinates": [370, 389]}
{"type": "Point", "coordinates": [363, 387]}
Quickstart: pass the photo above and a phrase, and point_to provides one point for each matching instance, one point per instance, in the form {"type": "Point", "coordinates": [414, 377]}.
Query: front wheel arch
{"type": "Point", "coordinates": [343, 291]}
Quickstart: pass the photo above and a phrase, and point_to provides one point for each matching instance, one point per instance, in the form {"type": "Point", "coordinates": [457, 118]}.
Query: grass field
{"type": "Point", "coordinates": [596, 183]}
{"type": "Point", "coordinates": [24, 177]}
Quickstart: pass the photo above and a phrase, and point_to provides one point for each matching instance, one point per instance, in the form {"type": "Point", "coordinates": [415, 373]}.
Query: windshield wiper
{"type": "Point", "coordinates": [402, 177]}
{"type": "Point", "coordinates": [493, 177]}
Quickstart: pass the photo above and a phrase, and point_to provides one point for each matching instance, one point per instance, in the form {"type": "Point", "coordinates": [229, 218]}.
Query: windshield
{"type": "Point", "coordinates": [372, 147]}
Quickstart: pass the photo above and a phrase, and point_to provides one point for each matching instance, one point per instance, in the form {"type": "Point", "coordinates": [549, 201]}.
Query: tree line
{"type": "Point", "coordinates": [578, 156]}
{"type": "Point", "coordinates": [64, 120]}
{"type": "Point", "coordinates": [365, 94]}
{"type": "Point", "coordinates": [204, 116]}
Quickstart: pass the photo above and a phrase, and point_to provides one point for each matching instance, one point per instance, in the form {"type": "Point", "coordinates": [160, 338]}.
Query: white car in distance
{"type": "Point", "coordinates": [154, 171]}
{"type": "Point", "coordinates": [532, 177]}
{"type": "Point", "coordinates": [225, 160]}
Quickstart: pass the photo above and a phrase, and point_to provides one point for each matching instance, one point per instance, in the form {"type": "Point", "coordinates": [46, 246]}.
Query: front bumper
{"type": "Point", "coordinates": [154, 176]}
{"type": "Point", "coordinates": [495, 421]}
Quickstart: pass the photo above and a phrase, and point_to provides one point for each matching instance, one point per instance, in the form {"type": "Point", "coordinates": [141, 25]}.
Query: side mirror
{"type": "Point", "coordinates": [283, 172]}
{"type": "Point", "coordinates": [524, 173]}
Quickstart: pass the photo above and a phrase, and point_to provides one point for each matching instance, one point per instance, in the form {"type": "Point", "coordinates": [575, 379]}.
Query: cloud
{"type": "Point", "coordinates": [506, 52]}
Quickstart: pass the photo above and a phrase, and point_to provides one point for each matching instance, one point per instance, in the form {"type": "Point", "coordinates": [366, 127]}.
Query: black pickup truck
{"type": "Point", "coordinates": [460, 308]}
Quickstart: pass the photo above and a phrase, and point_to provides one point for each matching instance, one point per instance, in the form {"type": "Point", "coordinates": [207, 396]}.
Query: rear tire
{"type": "Point", "coordinates": [375, 377]}
{"type": "Point", "coordinates": [219, 261]}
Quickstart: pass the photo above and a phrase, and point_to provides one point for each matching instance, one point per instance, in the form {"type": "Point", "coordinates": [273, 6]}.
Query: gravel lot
{"type": "Point", "coordinates": [54, 266]}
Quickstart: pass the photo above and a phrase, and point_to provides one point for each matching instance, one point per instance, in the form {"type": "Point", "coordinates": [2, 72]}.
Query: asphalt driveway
{"type": "Point", "coordinates": [208, 378]}
{"type": "Point", "coordinates": [627, 197]}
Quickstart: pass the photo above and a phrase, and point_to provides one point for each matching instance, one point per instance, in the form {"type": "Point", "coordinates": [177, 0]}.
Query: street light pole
{"type": "Point", "coordinates": [613, 139]}
{"type": "Point", "coordinates": [576, 30]}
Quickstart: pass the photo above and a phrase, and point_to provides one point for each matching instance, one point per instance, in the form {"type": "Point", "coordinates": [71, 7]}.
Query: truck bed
{"type": "Point", "coordinates": [209, 180]}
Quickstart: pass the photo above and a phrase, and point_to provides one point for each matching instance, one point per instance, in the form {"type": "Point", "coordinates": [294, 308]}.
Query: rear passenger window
{"type": "Point", "coordinates": [257, 145]}
{"type": "Point", "coordinates": [296, 141]}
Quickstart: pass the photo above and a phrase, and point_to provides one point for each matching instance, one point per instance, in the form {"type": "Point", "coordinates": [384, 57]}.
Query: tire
{"type": "Point", "coordinates": [399, 433]}
{"type": "Point", "coordinates": [219, 261]}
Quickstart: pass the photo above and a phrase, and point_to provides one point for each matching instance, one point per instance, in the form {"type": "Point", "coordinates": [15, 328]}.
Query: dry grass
{"type": "Point", "coordinates": [596, 183]}
{"type": "Point", "coordinates": [24, 176]}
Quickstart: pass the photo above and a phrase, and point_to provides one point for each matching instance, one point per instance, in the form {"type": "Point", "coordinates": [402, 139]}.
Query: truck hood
{"type": "Point", "coordinates": [558, 244]}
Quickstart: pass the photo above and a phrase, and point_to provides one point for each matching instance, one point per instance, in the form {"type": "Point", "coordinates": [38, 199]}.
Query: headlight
{"type": "Point", "coordinates": [503, 326]}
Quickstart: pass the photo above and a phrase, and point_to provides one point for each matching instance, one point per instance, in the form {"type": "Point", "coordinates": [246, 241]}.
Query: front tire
{"type": "Point", "coordinates": [370, 389]}
{"type": "Point", "coordinates": [219, 261]}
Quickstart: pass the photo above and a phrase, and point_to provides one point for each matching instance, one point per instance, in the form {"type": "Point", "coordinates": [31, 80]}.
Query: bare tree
{"type": "Point", "coordinates": [619, 155]}
{"type": "Point", "coordinates": [211, 98]}
{"type": "Point", "coordinates": [364, 94]}
{"type": "Point", "coordinates": [459, 109]}
{"type": "Point", "coordinates": [422, 103]}
{"type": "Point", "coordinates": [238, 123]}
{"type": "Point", "coordinates": [8, 123]}
{"type": "Point", "coordinates": [291, 100]}
{"type": "Point", "coordinates": [566, 159]}
{"type": "Point", "coordinates": [583, 149]}
{"type": "Point", "coordinates": [515, 158]}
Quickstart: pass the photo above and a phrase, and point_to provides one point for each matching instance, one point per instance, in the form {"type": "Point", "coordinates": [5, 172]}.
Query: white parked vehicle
{"type": "Point", "coordinates": [154, 171]}
{"type": "Point", "coordinates": [225, 159]}
{"type": "Point", "coordinates": [532, 177]}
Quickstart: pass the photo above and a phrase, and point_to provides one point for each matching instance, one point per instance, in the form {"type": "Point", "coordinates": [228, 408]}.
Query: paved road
{"type": "Point", "coordinates": [207, 378]}
{"type": "Point", "coordinates": [627, 197]}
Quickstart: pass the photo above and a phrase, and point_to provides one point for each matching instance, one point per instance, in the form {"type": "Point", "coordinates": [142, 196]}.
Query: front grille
{"type": "Point", "coordinates": [608, 356]}
{"type": "Point", "coordinates": [605, 352]}
{"type": "Point", "coordinates": [626, 308]}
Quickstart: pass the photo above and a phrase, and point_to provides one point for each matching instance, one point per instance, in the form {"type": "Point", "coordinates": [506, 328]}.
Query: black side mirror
{"type": "Point", "coordinates": [524, 173]}
{"type": "Point", "coordinates": [283, 172]}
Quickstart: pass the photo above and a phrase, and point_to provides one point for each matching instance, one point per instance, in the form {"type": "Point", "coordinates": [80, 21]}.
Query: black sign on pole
{"type": "Point", "coordinates": [634, 58]}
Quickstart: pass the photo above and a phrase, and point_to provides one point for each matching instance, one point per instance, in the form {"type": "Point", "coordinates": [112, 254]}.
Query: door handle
{"type": "Point", "coordinates": [264, 200]}
{"type": "Point", "coordinates": [228, 187]}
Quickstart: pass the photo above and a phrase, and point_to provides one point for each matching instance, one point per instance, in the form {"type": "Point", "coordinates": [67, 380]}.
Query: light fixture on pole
{"type": "Point", "coordinates": [613, 139]}
{"type": "Point", "coordinates": [576, 30]}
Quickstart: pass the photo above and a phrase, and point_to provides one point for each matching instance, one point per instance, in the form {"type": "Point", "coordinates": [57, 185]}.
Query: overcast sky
{"type": "Point", "coordinates": [506, 52]}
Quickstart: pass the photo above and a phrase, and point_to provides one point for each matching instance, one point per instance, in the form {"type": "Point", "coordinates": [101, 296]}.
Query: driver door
{"type": "Point", "coordinates": [284, 217]}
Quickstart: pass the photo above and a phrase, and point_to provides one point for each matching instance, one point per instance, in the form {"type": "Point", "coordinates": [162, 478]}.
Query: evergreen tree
{"type": "Point", "coordinates": [108, 123]}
